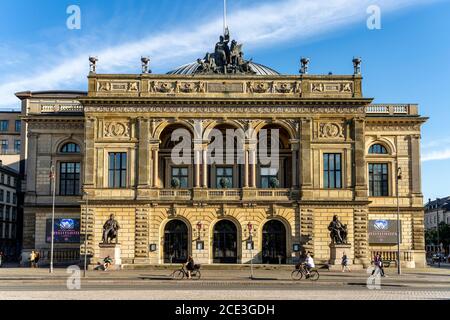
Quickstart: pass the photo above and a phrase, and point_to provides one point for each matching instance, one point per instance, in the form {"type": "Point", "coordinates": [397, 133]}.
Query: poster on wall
{"type": "Point", "coordinates": [66, 231]}
{"type": "Point", "coordinates": [383, 231]}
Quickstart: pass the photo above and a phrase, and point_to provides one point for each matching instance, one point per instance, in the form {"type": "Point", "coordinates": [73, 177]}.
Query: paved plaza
{"type": "Point", "coordinates": [23, 283]}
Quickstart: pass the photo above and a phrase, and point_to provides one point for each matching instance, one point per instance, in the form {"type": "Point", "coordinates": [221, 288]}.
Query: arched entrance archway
{"type": "Point", "coordinates": [274, 242]}
{"type": "Point", "coordinates": [175, 242]}
{"type": "Point", "coordinates": [225, 246]}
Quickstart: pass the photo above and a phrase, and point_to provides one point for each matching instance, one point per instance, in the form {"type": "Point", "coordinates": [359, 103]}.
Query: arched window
{"type": "Point", "coordinates": [70, 148]}
{"type": "Point", "coordinates": [377, 149]}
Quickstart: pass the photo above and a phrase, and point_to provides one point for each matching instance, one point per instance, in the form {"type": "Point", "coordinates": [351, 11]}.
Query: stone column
{"type": "Point", "coordinates": [294, 148]}
{"type": "Point", "coordinates": [155, 160]}
{"type": "Point", "coordinates": [359, 160]}
{"type": "Point", "coordinates": [246, 167]}
{"type": "Point", "coordinates": [197, 160]}
{"type": "Point", "coordinates": [205, 167]}
{"type": "Point", "coordinates": [305, 158]}
{"type": "Point", "coordinates": [415, 165]}
{"type": "Point", "coordinates": [253, 166]}
{"type": "Point", "coordinates": [143, 152]}
{"type": "Point", "coordinates": [32, 162]}
{"type": "Point", "coordinates": [89, 165]}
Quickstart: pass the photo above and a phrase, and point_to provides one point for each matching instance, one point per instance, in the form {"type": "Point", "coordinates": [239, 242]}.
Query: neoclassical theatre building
{"type": "Point", "coordinates": [110, 147]}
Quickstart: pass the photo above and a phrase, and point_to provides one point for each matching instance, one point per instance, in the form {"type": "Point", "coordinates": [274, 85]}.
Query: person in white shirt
{"type": "Point", "coordinates": [309, 263]}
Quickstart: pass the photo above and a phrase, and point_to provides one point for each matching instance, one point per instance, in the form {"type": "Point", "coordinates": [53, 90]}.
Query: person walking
{"type": "Point", "coordinates": [37, 256]}
{"type": "Point", "coordinates": [32, 257]}
{"type": "Point", "coordinates": [378, 262]}
{"type": "Point", "coordinates": [344, 263]}
{"type": "Point", "coordinates": [1, 258]}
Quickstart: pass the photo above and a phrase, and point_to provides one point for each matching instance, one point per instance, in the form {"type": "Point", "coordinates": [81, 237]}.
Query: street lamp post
{"type": "Point", "coordinates": [250, 227]}
{"type": "Point", "coordinates": [52, 179]}
{"type": "Point", "coordinates": [399, 177]}
{"type": "Point", "coordinates": [85, 233]}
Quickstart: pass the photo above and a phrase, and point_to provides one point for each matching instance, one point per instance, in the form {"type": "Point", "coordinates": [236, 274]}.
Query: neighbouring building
{"type": "Point", "coordinates": [10, 139]}
{"type": "Point", "coordinates": [10, 213]}
{"type": "Point", "coordinates": [437, 211]}
{"type": "Point", "coordinates": [111, 148]}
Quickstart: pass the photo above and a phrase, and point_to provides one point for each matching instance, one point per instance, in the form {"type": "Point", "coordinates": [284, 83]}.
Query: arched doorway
{"type": "Point", "coordinates": [175, 242]}
{"type": "Point", "coordinates": [225, 248]}
{"type": "Point", "coordinates": [274, 242]}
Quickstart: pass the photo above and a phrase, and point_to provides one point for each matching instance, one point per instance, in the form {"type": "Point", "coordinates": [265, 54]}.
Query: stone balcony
{"type": "Point", "coordinates": [196, 194]}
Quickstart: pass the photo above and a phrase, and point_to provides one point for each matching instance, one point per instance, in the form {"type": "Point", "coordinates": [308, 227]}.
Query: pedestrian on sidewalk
{"type": "Point", "coordinates": [1, 258]}
{"type": "Point", "coordinates": [36, 259]}
{"type": "Point", "coordinates": [378, 262]}
{"type": "Point", "coordinates": [31, 258]}
{"type": "Point", "coordinates": [345, 263]}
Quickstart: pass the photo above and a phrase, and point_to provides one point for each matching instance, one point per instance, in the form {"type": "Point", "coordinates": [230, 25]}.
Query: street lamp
{"type": "Point", "coordinates": [250, 246]}
{"type": "Point", "coordinates": [399, 177]}
{"type": "Point", "coordinates": [53, 182]}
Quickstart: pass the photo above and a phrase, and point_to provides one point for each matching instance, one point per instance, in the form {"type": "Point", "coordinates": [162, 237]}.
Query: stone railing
{"type": "Point", "coordinates": [69, 108]}
{"type": "Point", "coordinates": [392, 109]}
{"type": "Point", "coordinates": [60, 255]}
{"type": "Point", "coordinates": [273, 194]}
{"type": "Point", "coordinates": [229, 194]}
{"type": "Point", "coordinates": [391, 255]}
{"type": "Point", "coordinates": [175, 194]}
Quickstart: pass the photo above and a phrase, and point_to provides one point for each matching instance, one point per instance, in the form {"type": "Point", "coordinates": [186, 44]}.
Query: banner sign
{"type": "Point", "coordinates": [383, 231]}
{"type": "Point", "coordinates": [66, 231]}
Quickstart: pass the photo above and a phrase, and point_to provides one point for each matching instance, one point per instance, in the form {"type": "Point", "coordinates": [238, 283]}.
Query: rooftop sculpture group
{"type": "Point", "coordinates": [225, 59]}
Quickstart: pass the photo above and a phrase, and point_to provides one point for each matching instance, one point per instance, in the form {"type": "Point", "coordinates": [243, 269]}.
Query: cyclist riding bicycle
{"type": "Point", "coordinates": [309, 264]}
{"type": "Point", "coordinates": [190, 266]}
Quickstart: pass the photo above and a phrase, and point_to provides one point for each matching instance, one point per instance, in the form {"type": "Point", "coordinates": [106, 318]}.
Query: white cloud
{"type": "Point", "coordinates": [436, 155]}
{"type": "Point", "coordinates": [260, 26]}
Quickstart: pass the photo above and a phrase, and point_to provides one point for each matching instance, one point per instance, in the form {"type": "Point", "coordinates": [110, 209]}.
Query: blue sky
{"type": "Point", "coordinates": [406, 61]}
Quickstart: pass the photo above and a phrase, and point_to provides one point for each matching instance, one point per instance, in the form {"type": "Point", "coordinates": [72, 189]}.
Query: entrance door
{"type": "Point", "coordinates": [274, 243]}
{"type": "Point", "coordinates": [225, 242]}
{"type": "Point", "coordinates": [175, 242]}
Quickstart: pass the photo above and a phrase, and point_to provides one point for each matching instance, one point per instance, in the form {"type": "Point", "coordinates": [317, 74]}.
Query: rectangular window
{"type": "Point", "coordinates": [182, 175]}
{"type": "Point", "coordinates": [2, 195]}
{"type": "Point", "coordinates": [4, 148]}
{"type": "Point", "coordinates": [14, 214]}
{"type": "Point", "coordinates": [266, 175]}
{"type": "Point", "coordinates": [69, 178]}
{"type": "Point", "coordinates": [378, 180]}
{"type": "Point", "coordinates": [224, 177]}
{"type": "Point", "coordinates": [8, 197]}
{"type": "Point", "coordinates": [14, 195]}
{"type": "Point", "coordinates": [332, 172]}
{"type": "Point", "coordinates": [117, 177]}
{"type": "Point", "coordinates": [7, 213]}
{"type": "Point", "coordinates": [4, 125]}
{"type": "Point", "coordinates": [17, 146]}
{"type": "Point", "coordinates": [18, 125]}
{"type": "Point", "coordinates": [7, 230]}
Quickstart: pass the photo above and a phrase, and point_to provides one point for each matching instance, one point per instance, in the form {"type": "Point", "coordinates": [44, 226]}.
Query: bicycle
{"type": "Point", "coordinates": [181, 273]}
{"type": "Point", "coordinates": [300, 271]}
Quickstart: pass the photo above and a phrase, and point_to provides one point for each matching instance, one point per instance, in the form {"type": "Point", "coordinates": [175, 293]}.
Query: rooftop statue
{"type": "Point", "coordinates": [226, 59]}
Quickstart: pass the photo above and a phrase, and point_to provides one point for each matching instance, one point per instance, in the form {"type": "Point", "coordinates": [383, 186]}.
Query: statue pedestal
{"type": "Point", "coordinates": [113, 251]}
{"type": "Point", "coordinates": [336, 252]}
